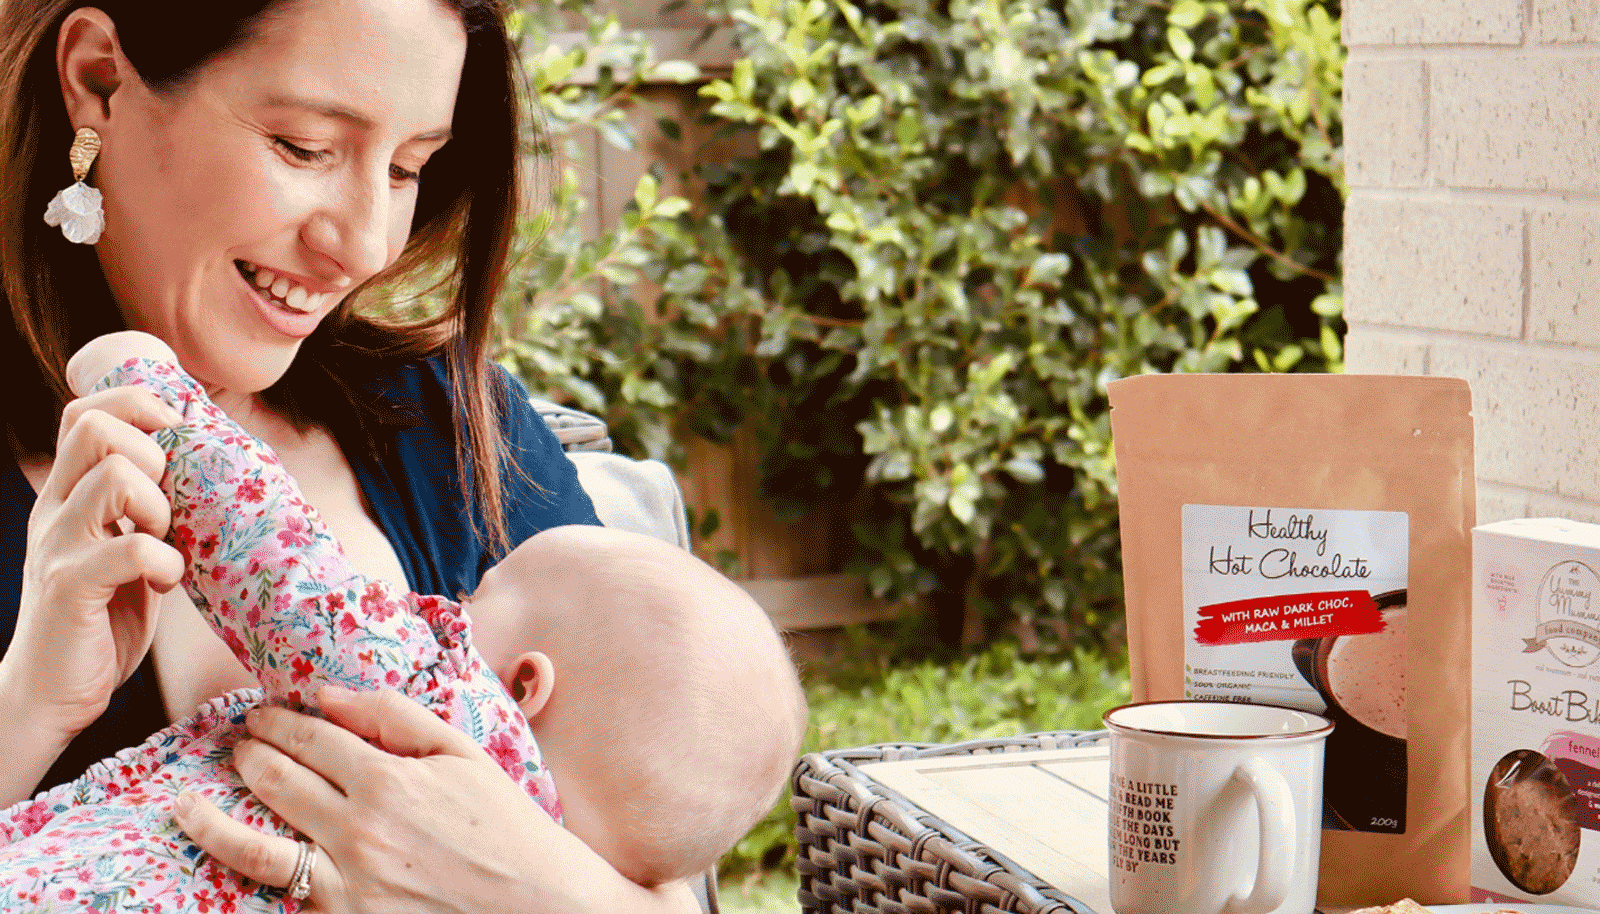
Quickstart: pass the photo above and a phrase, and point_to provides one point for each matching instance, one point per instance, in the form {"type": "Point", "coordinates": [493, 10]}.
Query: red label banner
{"type": "Point", "coordinates": [1288, 617]}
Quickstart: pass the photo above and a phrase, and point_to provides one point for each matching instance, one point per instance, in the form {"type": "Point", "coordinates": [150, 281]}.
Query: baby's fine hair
{"type": "Point", "coordinates": [703, 753]}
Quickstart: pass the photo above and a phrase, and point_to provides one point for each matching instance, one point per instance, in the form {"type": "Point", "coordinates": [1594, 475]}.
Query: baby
{"type": "Point", "coordinates": [655, 687]}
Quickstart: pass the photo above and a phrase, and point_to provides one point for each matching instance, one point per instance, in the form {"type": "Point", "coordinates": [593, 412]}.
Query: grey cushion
{"type": "Point", "coordinates": [637, 495]}
{"type": "Point", "coordinates": [628, 494]}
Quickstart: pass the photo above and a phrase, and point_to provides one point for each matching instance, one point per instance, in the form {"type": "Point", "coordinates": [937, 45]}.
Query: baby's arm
{"type": "Point", "coordinates": [273, 582]}
{"type": "Point", "coordinates": [262, 567]}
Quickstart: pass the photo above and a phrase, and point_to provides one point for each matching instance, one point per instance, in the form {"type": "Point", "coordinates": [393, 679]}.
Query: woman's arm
{"type": "Point", "coordinates": [389, 818]}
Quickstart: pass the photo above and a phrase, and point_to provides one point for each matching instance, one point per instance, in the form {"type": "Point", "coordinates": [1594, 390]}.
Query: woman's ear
{"type": "Point", "coordinates": [90, 64]}
{"type": "Point", "coordinates": [532, 679]}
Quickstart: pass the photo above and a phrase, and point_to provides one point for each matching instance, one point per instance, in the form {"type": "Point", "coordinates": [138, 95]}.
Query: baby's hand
{"type": "Point", "coordinates": [103, 353]}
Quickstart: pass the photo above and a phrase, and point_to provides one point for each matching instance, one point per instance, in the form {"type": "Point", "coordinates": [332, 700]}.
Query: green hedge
{"type": "Point", "coordinates": [954, 224]}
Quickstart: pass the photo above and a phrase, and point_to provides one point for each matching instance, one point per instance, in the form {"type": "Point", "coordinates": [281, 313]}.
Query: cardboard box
{"type": "Point", "coordinates": [1536, 712]}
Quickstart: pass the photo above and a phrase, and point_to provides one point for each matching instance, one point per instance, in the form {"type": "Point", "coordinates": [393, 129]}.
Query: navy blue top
{"type": "Point", "coordinates": [414, 493]}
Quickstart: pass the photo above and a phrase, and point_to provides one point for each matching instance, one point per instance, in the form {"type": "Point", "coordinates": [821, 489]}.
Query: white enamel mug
{"type": "Point", "coordinates": [1216, 808]}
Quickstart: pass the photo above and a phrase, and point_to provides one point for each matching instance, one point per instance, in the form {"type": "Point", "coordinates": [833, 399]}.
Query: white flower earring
{"type": "Point", "coordinates": [77, 209]}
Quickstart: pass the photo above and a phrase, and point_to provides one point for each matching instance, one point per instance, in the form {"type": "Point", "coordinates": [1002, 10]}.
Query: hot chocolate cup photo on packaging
{"type": "Point", "coordinates": [1362, 680]}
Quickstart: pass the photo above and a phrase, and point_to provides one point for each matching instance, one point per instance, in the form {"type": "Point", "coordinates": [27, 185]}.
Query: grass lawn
{"type": "Point", "coordinates": [772, 894]}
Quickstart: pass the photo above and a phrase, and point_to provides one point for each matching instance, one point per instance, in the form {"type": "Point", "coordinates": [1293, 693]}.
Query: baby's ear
{"type": "Point", "coordinates": [532, 679]}
{"type": "Point", "coordinates": [103, 353]}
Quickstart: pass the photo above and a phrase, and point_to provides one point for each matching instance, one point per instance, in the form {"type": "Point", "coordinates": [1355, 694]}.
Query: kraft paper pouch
{"type": "Point", "coordinates": [1305, 540]}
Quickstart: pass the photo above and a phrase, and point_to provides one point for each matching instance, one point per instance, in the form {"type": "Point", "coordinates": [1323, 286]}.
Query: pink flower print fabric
{"type": "Point", "coordinates": [269, 577]}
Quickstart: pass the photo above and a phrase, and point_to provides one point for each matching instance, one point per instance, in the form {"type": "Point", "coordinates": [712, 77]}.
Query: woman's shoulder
{"type": "Point", "coordinates": [415, 384]}
{"type": "Point", "coordinates": [415, 487]}
{"type": "Point", "coordinates": [423, 389]}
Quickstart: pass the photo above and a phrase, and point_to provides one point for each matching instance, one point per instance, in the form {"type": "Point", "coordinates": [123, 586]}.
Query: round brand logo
{"type": "Point", "coordinates": [1568, 615]}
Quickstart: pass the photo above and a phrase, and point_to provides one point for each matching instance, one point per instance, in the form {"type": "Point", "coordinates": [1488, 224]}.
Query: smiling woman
{"type": "Point", "coordinates": [264, 165]}
{"type": "Point", "coordinates": [244, 132]}
{"type": "Point", "coordinates": [294, 157]}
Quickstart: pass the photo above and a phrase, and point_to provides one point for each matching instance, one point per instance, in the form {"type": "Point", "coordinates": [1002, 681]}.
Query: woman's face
{"type": "Point", "coordinates": [242, 206]}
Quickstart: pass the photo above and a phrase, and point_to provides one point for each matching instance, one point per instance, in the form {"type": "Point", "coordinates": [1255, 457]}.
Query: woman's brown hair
{"type": "Point", "coordinates": [57, 299]}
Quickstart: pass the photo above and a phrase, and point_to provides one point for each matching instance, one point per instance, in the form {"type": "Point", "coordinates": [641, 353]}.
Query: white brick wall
{"type": "Point", "coordinates": [1472, 233]}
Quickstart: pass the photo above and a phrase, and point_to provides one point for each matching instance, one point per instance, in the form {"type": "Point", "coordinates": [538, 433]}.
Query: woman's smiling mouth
{"type": "Point", "coordinates": [283, 291]}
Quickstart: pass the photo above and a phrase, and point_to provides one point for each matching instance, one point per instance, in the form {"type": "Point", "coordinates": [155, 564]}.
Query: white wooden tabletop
{"type": "Point", "coordinates": [1045, 810]}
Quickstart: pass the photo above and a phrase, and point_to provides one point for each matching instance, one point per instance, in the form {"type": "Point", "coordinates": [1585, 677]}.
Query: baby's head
{"type": "Point", "coordinates": [660, 693]}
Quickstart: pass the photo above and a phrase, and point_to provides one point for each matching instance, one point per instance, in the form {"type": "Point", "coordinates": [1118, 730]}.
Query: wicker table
{"type": "Point", "coordinates": [1021, 827]}
{"type": "Point", "coordinates": [866, 848]}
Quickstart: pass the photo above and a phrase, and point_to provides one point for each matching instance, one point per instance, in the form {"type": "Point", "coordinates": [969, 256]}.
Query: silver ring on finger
{"type": "Point", "coordinates": [300, 884]}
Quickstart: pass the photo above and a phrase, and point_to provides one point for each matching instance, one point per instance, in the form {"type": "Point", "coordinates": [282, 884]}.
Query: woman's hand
{"type": "Point", "coordinates": [423, 821]}
{"type": "Point", "coordinates": [95, 566]}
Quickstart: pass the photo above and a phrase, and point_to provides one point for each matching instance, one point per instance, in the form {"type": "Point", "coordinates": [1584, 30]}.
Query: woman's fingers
{"type": "Point", "coordinates": [268, 859]}
{"type": "Point", "coordinates": [108, 422]}
{"type": "Point", "coordinates": [101, 567]}
{"type": "Point", "coordinates": [104, 610]}
{"type": "Point", "coordinates": [340, 757]}
{"type": "Point", "coordinates": [136, 406]}
{"type": "Point", "coordinates": [298, 793]}
{"type": "Point", "coordinates": [453, 812]}
{"type": "Point", "coordinates": [113, 489]}
{"type": "Point", "coordinates": [135, 557]}
{"type": "Point", "coordinates": [398, 724]}
{"type": "Point", "coordinates": [334, 751]}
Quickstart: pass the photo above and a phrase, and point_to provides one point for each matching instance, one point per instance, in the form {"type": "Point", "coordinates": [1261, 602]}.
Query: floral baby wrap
{"type": "Point", "coordinates": [273, 582]}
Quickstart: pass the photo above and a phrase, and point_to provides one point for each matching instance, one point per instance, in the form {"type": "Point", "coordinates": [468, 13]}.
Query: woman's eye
{"type": "Point", "coordinates": [300, 152]}
{"type": "Point", "coordinates": [403, 175]}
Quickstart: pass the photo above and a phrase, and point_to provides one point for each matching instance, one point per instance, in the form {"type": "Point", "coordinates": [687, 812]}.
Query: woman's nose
{"type": "Point", "coordinates": [352, 226]}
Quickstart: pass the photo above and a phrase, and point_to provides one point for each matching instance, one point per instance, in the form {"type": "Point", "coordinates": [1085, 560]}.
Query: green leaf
{"type": "Point", "coordinates": [557, 67]}
{"type": "Point", "coordinates": [1182, 44]}
{"type": "Point", "coordinates": [801, 93]}
{"type": "Point", "coordinates": [989, 375]}
{"type": "Point", "coordinates": [866, 110]}
{"type": "Point", "coordinates": [675, 71]}
{"type": "Point", "coordinates": [1328, 305]}
{"type": "Point", "coordinates": [908, 129]}
{"type": "Point", "coordinates": [619, 274]}
{"type": "Point", "coordinates": [1048, 269]}
{"type": "Point", "coordinates": [1186, 14]}
{"type": "Point", "coordinates": [744, 79]}
{"type": "Point", "coordinates": [644, 193]}
{"type": "Point", "coordinates": [672, 207]}
{"type": "Point", "coordinates": [1026, 471]}
{"type": "Point", "coordinates": [803, 175]}
{"type": "Point", "coordinates": [962, 507]}
{"type": "Point", "coordinates": [617, 133]}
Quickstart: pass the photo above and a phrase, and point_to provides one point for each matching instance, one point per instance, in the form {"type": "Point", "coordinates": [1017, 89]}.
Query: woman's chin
{"type": "Point", "coordinates": [248, 373]}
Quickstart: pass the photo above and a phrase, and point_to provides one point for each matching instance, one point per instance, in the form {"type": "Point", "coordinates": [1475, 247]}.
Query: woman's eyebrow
{"type": "Point", "coordinates": [342, 113]}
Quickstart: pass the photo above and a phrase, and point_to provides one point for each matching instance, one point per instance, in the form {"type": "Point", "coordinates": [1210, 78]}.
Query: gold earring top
{"type": "Point", "coordinates": [85, 146]}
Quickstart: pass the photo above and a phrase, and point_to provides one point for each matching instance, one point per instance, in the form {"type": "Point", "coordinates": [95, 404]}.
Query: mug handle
{"type": "Point", "coordinates": [1275, 866]}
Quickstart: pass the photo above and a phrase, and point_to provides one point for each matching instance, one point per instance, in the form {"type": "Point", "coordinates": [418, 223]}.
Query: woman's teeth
{"type": "Point", "coordinates": [282, 290]}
